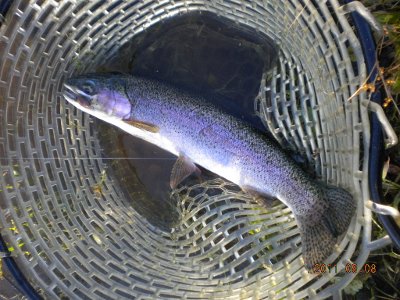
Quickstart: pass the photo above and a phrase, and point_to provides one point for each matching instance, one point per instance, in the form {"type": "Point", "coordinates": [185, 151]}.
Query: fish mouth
{"type": "Point", "coordinates": [73, 94]}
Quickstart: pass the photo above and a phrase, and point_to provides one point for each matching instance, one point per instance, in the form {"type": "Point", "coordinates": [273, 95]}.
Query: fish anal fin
{"type": "Point", "coordinates": [143, 125]}
{"type": "Point", "coordinates": [182, 169]}
{"type": "Point", "coordinates": [264, 199]}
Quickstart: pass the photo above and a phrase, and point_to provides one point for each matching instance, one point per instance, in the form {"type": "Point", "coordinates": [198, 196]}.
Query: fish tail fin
{"type": "Point", "coordinates": [320, 234]}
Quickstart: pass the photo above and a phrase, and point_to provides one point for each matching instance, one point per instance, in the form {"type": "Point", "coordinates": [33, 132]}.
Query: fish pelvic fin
{"type": "Point", "coordinates": [266, 200]}
{"type": "Point", "coordinates": [320, 235]}
{"type": "Point", "coordinates": [182, 169]}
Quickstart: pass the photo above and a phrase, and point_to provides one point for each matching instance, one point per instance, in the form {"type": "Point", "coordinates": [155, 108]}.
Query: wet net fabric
{"type": "Point", "coordinates": [74, 240]}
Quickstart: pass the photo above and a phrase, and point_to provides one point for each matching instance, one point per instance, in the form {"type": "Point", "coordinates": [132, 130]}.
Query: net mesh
{"type": "Point", "coordinates": [71, 239]}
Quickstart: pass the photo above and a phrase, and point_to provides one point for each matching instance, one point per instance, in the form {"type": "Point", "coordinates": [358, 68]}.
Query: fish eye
{"type": "Point", "coordinates": [88, 87]}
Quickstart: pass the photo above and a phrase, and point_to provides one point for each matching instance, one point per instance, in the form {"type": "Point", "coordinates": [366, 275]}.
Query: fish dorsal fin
{"type": "Point", "coordinates": [182, 169]}
{"type": "Point", "coordinates": [143, 125]}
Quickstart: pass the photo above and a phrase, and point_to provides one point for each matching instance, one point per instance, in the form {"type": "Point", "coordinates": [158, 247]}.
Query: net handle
{"type": "Point", "coordinates": [358, 7]}
{"type": "Point", "coordinates": [379, 243]}
{"type": "Point", "coordinates": [392, 138]}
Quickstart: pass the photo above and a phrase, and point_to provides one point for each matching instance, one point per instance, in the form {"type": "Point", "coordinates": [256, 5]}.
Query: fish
{"type": "Point", "coordinates": [201, 134]}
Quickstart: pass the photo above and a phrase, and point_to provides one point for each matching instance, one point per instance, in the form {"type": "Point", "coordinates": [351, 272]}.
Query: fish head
{"type": "Point", "coordinates": [101, 95]}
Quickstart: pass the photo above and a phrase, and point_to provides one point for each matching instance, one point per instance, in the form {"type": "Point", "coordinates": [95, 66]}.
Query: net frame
{"type": "Point", "coordinates": [64, 236]}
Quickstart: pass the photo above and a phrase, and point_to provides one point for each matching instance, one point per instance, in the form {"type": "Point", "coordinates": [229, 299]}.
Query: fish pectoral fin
{"type": "Point", "coordinates": [182, 169]}
{"type": "Point", "coordinates": [264, 199]}
{"type": "Point", "coordinates": [143, 125]}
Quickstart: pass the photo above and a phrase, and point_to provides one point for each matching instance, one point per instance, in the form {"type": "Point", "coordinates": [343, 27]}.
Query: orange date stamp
{"type": "Point", "coordinates": [349, 268]}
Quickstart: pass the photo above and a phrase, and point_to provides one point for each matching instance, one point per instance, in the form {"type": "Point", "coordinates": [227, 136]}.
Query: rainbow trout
{"type": "Point", "coordinates": [186, 125]}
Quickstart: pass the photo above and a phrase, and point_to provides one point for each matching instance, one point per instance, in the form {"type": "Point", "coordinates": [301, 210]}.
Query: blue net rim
{"type": "Point", "coordinates": [376, 151]}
